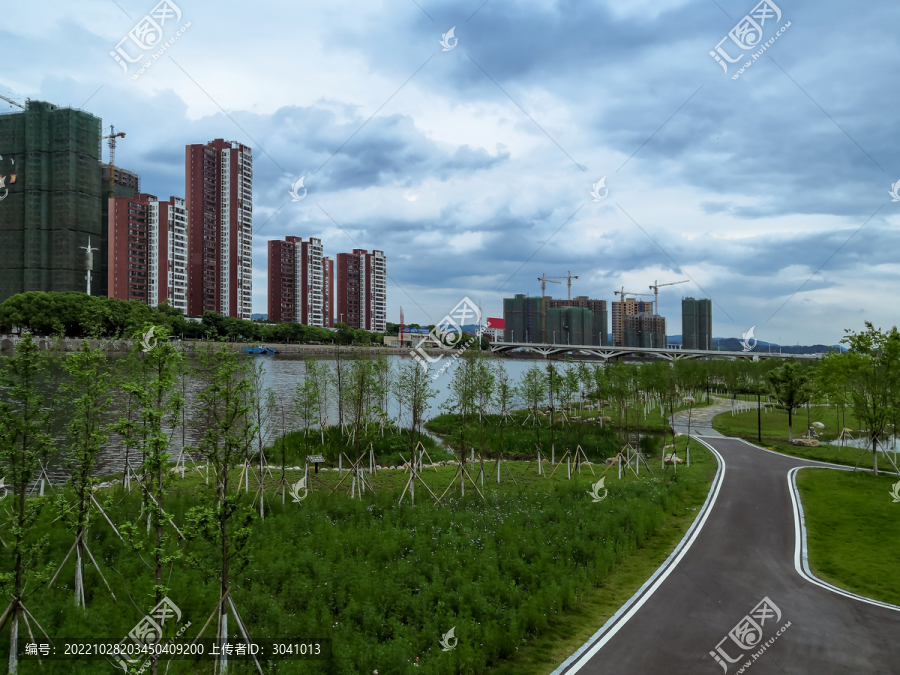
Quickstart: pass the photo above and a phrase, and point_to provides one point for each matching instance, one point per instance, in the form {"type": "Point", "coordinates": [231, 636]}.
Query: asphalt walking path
{"type": "Point", "coordinates": [737, 595]}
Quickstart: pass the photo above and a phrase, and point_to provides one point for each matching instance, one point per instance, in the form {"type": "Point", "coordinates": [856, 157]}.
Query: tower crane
{"type": "Point", "coordinates": [622, 293]}
{"type": "Point", "coordinates": [11, 102]}
{"type": "Point", "coordinates": [113, 135]}
{"type": "Point", "coordinates": [544, 279]}
{"type": "Point", "coordinates": [618, 326]}
{"type": "Point", "coordinates": [569, 278]}
{"type": "Point", "coordinates": [655, 288]}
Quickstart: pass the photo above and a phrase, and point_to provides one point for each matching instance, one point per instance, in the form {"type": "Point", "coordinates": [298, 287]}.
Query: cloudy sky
{"type": "Point", "coordinates": [472, 167]}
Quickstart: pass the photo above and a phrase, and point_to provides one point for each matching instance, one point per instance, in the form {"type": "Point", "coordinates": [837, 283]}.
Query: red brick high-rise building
{"type": "Point", "coordinates": [147, 252]}
{"type": "Point", "coordinates": [219, 200]}
{"type": "Point", "coordinates": [301, 282]}
{"type": "Point", "coordinates": [362, 289]}
{"type": "Point", "coordinates": [328, 300]}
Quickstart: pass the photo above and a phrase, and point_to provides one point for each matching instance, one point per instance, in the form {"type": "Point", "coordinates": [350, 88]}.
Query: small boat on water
{"type": "Point", "coordinates": [260, 350]}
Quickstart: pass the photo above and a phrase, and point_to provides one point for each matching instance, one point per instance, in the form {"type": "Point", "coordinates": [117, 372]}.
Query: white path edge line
{"type": "Point", "coordinates": [801, 554]}
{"type": "Point", "coordinates": [599, 639]}
{"type": "Point", "coordinates": [801, 557]}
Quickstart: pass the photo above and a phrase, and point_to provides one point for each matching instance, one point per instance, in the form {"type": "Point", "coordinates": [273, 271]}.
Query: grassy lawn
{"type": "Point", "coordinates": [524, 577]}
{"type": "Point", "coordinates": [775, 435]}
{"type": "Point", "coordinates": [544, 653]}
{"type": "Point", "coordinates": [775, 423]}
{"type": "Point", "coordinates": [853, 530]}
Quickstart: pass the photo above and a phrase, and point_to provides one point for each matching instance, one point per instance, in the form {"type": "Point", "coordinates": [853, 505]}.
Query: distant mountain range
{"type": "Point", "coordinates": [734, 345]}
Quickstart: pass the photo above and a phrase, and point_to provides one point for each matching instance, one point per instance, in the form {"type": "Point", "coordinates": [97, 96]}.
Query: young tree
{"type": "Point", "coordinates": [532, 388]}
{"type": "Point", "coordinates": [790, 385]}
{"type": "Point", "coordinates": [308, 399]}
{"type": "Point", "coordinates": [414, 390]}
{"type": "Point", "coordinates": [227, 436]}
{"type": "Point", "coordinates": [872, 367]}
{"type": "Point", "coordinates": [87, 396]}
{"type": "Point", "coordinates": [484, 381]}
{"type": "Point", "coordinates": [263, 412]}
{"type": "Point", "coordinates": [24, 442]}
{"type": "Point", "coordinates": [504, 398]}
{"type": "Point", "coordinates": [154, 386]}
{"type": "Point", "coordinates": [360, 388]}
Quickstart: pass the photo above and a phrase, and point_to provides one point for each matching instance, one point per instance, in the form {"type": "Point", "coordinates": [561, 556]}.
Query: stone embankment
{"type": "Point", "coordinates": [8, 342]}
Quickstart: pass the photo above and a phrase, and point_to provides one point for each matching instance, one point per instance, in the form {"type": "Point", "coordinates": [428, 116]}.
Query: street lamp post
{"type": "Point", "coordinates": [758, 418]}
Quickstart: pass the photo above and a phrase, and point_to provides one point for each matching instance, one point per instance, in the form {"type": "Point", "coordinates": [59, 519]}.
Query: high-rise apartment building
{"type": "Point", "coordinates": [51, 170]}
{"type": "Point", "coordinates": [147, 254]}
{"type": "Point", "coordinates": [645, 330]}
{"type": "Point", "coordinates": [301, 282]}
{"type": "Point", "coordinates": [696, 323]}
{"type": "Point", "coordinates": [282, 288]}
{"type": "Point", "coordinates": [219, 202]}
{"type": "Point", "coordinates": [621, 309]}
{"type": "Point", "coordinates": [328, 300]}
{"type": "Point", "coordinates": [599, 329]}
{"type": "Point", "coordinates": [361, 279]}
{"type": "Point", "coordinates": [125, 184]}
{"type": "Point", "coordinates": [579, 321]}
{"type": "Point", "coordinates": [172, 238]}
{"type": "Point", "coordinates": [522, 319]}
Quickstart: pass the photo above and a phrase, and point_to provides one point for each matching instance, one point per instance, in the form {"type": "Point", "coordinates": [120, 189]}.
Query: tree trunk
{"type": "Point", "coordinates": [874, 455]}
{"type": "Point", "coordinates": [13, 639]}
{"type": "Point", "coordinates": [790, 425]}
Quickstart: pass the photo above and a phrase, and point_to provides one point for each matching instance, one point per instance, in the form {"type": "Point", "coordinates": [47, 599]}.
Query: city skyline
{"type": "Point", "coordinates": [466, 162]}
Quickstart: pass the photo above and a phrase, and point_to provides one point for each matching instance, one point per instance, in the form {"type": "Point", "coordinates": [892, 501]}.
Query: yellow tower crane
{"type": "Point", "coordinates": [655, 288]}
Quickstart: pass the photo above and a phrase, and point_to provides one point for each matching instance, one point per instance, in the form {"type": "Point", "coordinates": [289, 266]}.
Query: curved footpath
{"type": "Point", "coordinates": [737, 596]}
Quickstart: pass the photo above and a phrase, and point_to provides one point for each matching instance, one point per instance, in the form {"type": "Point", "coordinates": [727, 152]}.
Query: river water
{"type": "Point", "coordinates": [282, 374]}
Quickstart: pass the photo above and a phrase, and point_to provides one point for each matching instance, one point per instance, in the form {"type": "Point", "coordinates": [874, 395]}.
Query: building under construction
{"type": "Point", "coordinates": [620, 311]}
{"type": "Point", "coordinates": [125, 184]}
{"type": "Point", "coordinates": [54, 204]}
{"type": "Point", "coordinates": [645, 330]}
{"type": "Point", "coordinates": [696, 323]}
{"type": "Point", "coordinates": [580, 321]}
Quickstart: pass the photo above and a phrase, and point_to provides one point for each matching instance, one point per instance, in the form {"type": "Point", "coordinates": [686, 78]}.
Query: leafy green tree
{"type": "Point", "coordinates": [872, 368]}
{"type": "Point", "coordinates": [87, 396]}
{"type": "Point", "coordinates": [24, 442]}
{"type": "Point", "coordinates": [414, 391]}
{"type": "Point", "coordinates": [791, 387]}
{"type": "Point", "coordinates": [154, 386]}
{"type": "Point", "coordinates": [308, 400]}
{"type": "Point", "coordinates": [264, 410]}
{"type": "Point", "coordinates": [504, 398]}
{"type": "Point", "coordinates": [227, 434]}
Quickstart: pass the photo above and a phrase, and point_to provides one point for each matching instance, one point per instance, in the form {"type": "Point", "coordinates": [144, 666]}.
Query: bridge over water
{"type": "Point", "coordinates": [607, 353]}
